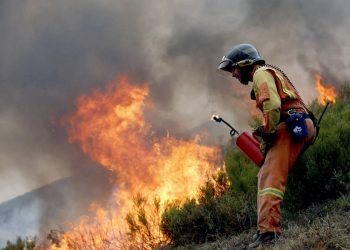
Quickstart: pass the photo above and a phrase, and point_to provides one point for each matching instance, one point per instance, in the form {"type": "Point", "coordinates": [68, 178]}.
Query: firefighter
{"type": "Point", "coordinates": [282, 142]}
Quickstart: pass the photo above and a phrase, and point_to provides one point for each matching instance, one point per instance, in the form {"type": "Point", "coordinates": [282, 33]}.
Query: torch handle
{"type": "Point", "coordinates": [233, 130]}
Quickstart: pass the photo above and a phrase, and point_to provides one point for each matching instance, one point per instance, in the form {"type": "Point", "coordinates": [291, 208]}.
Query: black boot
{"type": "Point", "coordinates": [264, 238]}
{"type": "Point", "coordinates": [256, 236]}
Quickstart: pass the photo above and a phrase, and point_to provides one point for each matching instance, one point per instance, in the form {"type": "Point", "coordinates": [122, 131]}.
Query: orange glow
{"type": "Point", "coordinates": [111, 129]}
{"type": "Point", "coordinates": [327, 93]}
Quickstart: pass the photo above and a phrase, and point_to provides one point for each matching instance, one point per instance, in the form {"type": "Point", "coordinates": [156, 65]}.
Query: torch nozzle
{"type": "Point", "coordinates": [216, 118]}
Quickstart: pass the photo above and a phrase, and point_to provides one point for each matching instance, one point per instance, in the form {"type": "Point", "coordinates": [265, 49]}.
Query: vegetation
{"type": "Point", "coordinates": [21, 244]}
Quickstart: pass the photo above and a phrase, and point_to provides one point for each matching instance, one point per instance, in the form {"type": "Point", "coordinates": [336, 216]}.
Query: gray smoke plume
{"type": "Point", "coordinates": [53, 51]}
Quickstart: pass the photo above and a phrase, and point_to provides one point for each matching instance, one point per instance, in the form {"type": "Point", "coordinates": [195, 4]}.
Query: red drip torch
{"type": "Point", "coordinates": [245, 142]}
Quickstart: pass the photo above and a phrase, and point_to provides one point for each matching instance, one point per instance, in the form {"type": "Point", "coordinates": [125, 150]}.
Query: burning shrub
{"type": "Point", "coordinates": [144, 231]}
{"type": "Point", "coordinates": [110, 126]}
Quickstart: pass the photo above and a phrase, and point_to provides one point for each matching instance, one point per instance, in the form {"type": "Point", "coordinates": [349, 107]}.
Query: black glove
{"type": "Point", "coordinates": [258, 131]}
{"type": "Point", "coordinates": [267, 137]}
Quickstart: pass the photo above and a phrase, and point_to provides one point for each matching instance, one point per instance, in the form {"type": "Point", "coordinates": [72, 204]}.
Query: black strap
{"type": "Point", "coordinates": [290, 82]}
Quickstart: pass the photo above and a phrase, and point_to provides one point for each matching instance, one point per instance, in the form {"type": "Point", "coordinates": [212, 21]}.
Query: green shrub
{"type": "Point", "coordinates": [241, 171]}
{"type": "Point", "coordinates": [21, 244]}
{"type": "Point", "coordinates": [219, 211]}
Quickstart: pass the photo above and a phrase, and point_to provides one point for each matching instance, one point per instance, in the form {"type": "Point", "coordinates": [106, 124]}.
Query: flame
{"type": "Point", "coordinates": [327, 93]}
{"type": "Point", "coordinates": [111, 129]}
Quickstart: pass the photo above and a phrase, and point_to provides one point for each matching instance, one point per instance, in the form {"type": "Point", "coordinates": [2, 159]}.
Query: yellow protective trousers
{"type": "Point", "coordinates": [272, 177]}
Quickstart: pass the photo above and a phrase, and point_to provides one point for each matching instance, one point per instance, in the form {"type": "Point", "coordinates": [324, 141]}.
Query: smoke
{"type": "Point", "coordinates": [53, 51]}
{"type": "Point", "coordinates": [12, 221]}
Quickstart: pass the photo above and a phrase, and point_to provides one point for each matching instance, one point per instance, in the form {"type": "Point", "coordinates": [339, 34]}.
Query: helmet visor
{"type": "Point", "coordinates": [226, 64]}
{"type": "Point", "coordinates": [224, 73]}
{"type": "Point", "coordinates": [225, 68]}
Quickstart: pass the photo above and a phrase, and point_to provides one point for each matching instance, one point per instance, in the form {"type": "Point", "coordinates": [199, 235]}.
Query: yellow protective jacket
{"type": "Point", "coordinates": [274, 96]}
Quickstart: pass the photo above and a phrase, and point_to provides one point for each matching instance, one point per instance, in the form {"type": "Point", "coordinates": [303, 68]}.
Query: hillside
{"type": "Point", "coordinates": [48, 207]}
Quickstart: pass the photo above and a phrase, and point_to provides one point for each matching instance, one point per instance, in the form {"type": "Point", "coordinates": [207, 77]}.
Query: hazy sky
{"type": "Point", "coordinates": [53, 51]}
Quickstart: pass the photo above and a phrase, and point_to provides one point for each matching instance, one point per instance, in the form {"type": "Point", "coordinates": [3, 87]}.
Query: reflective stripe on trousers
{"type": "Point", "coordinates": [271, 191]}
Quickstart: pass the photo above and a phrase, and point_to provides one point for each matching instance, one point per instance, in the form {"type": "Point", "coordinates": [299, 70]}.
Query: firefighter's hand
{"type": "Point", "coordinates": [258, 131]}
{"type": "Point", "coordinates": [267, 137]}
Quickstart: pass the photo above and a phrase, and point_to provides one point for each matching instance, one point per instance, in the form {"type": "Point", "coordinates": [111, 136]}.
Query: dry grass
{"type": "Point", "coordinates": [325, 226]}
{"type": "Point", "coordinates": [329, 232]}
